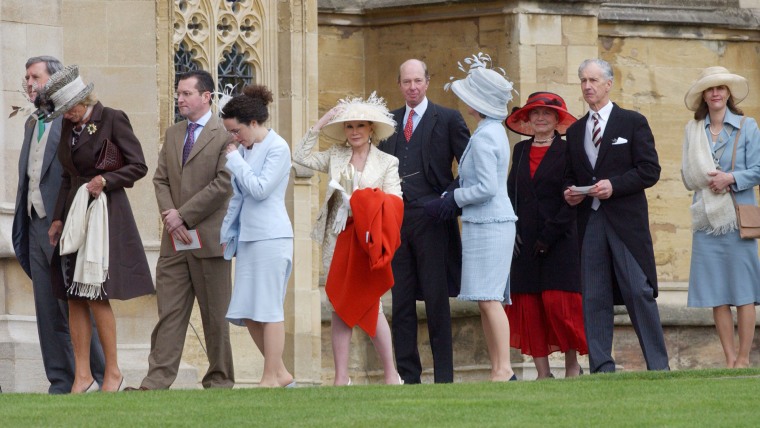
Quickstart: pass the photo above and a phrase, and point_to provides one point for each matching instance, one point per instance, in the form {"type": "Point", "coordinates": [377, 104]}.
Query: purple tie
{"type": "Point", "coordinates": [189, 141]}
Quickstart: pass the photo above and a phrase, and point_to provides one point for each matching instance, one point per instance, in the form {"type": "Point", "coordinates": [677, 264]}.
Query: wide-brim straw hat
{"type": "Point", "coordinates": [716, 76]}
{"type": "Point", "coordinates": [65, 89]}
{"type": "Point", "coordinates": [486, 91]}
{"type": "Point", "coordinates": [373, 109]}
{"type": "Point", "coordinates": [519, 120]}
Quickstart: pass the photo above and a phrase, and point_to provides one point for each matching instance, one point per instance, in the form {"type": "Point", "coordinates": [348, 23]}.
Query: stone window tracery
{"type": "Point", "coordinates": [223, 37]}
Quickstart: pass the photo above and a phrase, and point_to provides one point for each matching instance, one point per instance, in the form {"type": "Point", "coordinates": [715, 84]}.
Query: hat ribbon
{"type": "Point", "coordinates": [68, 92]}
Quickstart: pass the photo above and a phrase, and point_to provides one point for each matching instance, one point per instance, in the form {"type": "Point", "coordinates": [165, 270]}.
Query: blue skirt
{"type": "Point", "coordinates": [725, 270]}
{"type": "Point", "coordinates": [486, 260]}
{"type": "Point", "coordinates": [262, 270]}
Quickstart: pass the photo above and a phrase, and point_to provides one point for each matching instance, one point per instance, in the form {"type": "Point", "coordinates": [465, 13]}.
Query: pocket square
{"type": "Point", "coordinates": [619, 140]}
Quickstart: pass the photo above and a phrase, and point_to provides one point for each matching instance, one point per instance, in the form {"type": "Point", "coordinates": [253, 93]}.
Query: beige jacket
{"type": "Point", "coordinates": [380, 171]}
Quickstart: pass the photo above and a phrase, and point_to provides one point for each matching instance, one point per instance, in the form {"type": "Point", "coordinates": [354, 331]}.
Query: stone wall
{"type": "Point", "coordinates": [656, 47]}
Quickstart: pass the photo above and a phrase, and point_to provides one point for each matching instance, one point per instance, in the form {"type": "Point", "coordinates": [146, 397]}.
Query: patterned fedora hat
{"type": "Point", "coordinates": [64, 90]}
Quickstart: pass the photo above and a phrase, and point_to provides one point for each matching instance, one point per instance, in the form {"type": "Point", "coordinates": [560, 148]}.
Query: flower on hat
{"type": "Point", "coordinates": [483, 89]}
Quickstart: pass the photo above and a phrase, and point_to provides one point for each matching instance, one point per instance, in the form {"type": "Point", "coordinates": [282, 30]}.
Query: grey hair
{"type": "Point", "coordinates": [52, 63]}
{"type": "Point", "coordinates": [604, 65]}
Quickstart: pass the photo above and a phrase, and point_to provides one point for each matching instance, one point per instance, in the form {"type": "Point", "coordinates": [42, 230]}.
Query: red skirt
{"type": "Point", "coordinates": [547, 322]}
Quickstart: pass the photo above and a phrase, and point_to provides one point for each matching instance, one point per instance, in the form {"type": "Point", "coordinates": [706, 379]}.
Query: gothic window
{"type": "Point", "coordinates": [183, 62]}
{"type": "Point", "coordinates": [223, 37]}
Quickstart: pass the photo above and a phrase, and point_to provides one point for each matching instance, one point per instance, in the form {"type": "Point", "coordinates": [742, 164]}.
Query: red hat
{"type": "Point", "coordinates": [519, 121]}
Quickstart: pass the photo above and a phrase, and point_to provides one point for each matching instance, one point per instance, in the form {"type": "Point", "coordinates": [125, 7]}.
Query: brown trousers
{"type": "Point", "coordinates": [179, 279]}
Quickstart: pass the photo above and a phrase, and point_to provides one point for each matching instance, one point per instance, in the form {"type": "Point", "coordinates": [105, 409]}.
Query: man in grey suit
{"type": "Point", "coordinates": [39, 181]}
{"type": "Point", "coordinates": [611, 150]}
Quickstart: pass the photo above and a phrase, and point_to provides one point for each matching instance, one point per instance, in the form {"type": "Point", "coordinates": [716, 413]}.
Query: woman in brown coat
{"type": "Point", "coordinates": [86, 127]}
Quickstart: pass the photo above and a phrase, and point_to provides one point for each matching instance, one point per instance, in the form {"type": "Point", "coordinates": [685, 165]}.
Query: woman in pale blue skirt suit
{"type": "Point", "coordinates": [725, 270]}
{"type": "Point", "coordinates": [257, 229]}
{"type": "Point", "coordinates": [488, 221]}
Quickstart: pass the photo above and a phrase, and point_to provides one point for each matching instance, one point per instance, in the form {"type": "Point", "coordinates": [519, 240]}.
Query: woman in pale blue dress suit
{"type": "Point", "coordinates": [488, 220]}
{"type": "Point", "coordinates": [257, 229]}
{"type": "Point", "coordinates": [725, 270]}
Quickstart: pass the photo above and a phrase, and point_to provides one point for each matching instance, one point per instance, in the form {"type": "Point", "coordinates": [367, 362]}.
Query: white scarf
{"type": "Point", "coordinates": [86, 233]}
{"type": "Point", "coordinates": [713, 213]}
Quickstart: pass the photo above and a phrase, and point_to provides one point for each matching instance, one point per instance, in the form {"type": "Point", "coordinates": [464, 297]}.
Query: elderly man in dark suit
{"type": "Point", "coordinates": [428, 264]}
{"type": "Point", "coordinates": [611, 150]}
{"type": "Point", "coordinates": [39, 180]}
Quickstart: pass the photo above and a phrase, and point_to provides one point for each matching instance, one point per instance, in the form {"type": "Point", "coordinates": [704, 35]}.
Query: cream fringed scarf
{"type": "Point", "coordinates": [713, 213]}
{"type": "Point", "coordinates": [86, 233]}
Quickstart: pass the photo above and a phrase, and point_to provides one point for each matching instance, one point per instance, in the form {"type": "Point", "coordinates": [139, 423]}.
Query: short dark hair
{"type": "Point", "coordinates": [250, 106]}
{"type": "Point", "coordinates": [52, 64]}
{"type": "Point", "coordinates": [204, 81]}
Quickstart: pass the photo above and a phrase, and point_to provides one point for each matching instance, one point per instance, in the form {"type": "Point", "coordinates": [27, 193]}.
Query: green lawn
{"type": "Point", "coordinates": [705, 398]}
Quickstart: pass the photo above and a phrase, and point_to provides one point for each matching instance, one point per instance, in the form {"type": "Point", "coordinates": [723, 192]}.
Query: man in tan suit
{"type": "Point", "coordinates": [192, 189]}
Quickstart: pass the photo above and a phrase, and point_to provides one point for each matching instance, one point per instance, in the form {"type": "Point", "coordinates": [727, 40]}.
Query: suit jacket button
{"type": "Point", "coordinates": [593, 178]}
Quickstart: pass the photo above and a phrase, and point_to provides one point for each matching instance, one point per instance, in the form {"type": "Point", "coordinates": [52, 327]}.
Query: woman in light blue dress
{"type": "Point", "coordinates": [488, 220]}
{"type": "Point", "coordinates": [725, 270]}
{"type": "Point", "coordinates": [257, 229]}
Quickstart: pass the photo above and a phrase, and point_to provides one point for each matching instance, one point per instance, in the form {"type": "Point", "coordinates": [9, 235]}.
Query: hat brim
{"type": "Point", "coordinates": [472, 99]}
{"type": "Point", "coordinates": [382, 127]}
{"type": "Point", "coordinates": [78, 98]}
{"type": "Point", "coordinates": [736, 84]}
{"type": "Point", "coordinates": [519, 121]}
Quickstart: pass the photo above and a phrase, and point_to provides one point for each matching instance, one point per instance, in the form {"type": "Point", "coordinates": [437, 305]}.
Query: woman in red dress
{"type": "Point", "coordinates": [546, 314]}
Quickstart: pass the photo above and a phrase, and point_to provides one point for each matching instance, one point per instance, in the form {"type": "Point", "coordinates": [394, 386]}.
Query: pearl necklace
{"type": "Point", "coordinates": [548, 140]}
{"type": "Point", "coordinates": [715, 134]}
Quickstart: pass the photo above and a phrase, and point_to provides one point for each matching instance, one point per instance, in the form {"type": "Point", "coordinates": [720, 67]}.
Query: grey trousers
{"type": "Point", "coordinates": [52, 318]}
{"type": "Point", "coordinates": [604, 254]}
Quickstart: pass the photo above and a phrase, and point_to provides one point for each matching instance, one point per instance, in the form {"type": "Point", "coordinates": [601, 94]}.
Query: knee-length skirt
{"type": "Point", "coordinates": [486, 260]}
{"type": "Point", "coordinates": [262, 270]}
{"type": "Point", "coordinates": [725, 270]}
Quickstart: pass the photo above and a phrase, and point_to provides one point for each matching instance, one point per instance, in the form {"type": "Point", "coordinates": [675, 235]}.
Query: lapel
{"type": "Point", "coordinates": [427, 124]}
{"type": "Point", "coordinates": [371, 173]}
{"type": "Point", "coordinates": [339, 161]}
{"type": "Point", "coordinates": [398, 116]}
{"type": "Point", "coordinates": [29, 130]}
{"type": "Point", "coordinates": [95, 118]}
{"type": "Point", "coordinates": [612, 128]}
{"type": "Point", "coordinates": [54, 138]}
{"type": "Point", "coordinates": [205, 137]}
{"type": "Point", "coordinates": [178, 142]}
{"type": "Point", "coordinates": [553, 154]}
{"type": "Point", "coordinates": [578, 139]}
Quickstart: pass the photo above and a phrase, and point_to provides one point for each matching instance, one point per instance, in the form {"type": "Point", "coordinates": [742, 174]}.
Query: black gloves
{"type": "Point", "coordinates": [442, 209]}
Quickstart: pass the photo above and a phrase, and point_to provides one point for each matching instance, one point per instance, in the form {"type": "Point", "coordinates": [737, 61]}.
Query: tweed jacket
{"type": "Point", "coordinates": [259, 181]}
{"type": "Point", "coordinates": [50, 184]}
{"type": "Point", "coordinates": [380, 171]}
{"type": "Point", "coordinates": [482, 191]}
{"type": "Point", "coordinates": [199, 190]}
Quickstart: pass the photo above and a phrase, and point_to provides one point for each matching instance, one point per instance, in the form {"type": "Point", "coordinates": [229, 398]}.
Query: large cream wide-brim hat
{"type": "Point", "coordinates": [373, 109]}
{"type": "Point", "coordinates": [716, 76]}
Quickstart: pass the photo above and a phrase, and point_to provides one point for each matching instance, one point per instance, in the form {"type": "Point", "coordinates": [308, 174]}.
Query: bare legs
{"type": "Point", "coordinates": [496, 329]}
{"type": "Point", "coordinates": [269, 337]}
{"type": "Point", "coordinates": [724, 324]}
{"type": "Point", "coordinates": [80, 327]}
{"type": "Point", "coordinates": [341, 344]}
{"type": "Point", "coordinates": [572, 368]}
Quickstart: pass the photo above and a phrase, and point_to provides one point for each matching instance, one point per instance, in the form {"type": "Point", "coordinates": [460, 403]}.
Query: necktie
{"type": "Point", "coordinates": [189, 141]}
{"type": "Point", "coordinates": [409, 126]}
{"type": "Point", "coordinates": [40, 127]}
{"type": "Point", "coordinates": [596, 134]}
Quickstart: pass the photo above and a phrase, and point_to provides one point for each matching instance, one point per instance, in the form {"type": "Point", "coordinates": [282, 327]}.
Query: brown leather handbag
{"type": "Point", "coordinates": [747, 216]}
{"type": "Point", "coordinates": [110, 157]}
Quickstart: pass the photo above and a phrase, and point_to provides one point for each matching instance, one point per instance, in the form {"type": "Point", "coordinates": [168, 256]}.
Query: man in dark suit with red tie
{"type": "Point", "coordinates": [428, 264]}
{"type": "Point", "coordinates": [612, 151]}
